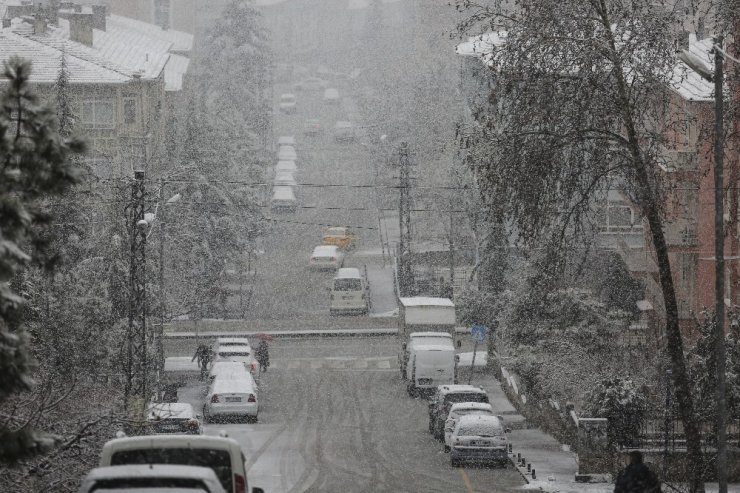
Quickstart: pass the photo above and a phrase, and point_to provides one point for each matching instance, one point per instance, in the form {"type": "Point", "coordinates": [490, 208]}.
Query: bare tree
{"type": "Point", "coordinates": [581, 105]}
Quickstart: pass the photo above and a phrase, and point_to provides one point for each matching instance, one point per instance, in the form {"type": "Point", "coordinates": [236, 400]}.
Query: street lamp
{"type": "Point", "coordinates": [717, 77]}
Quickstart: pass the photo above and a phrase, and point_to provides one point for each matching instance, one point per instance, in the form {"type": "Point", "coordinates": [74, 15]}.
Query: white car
{"type": "Point", "coordinates": [286, 140]}
{"type": "Point", "coordinates": [283, 199]}
{"type": "Point", "coordinates": [331, 96]}
{"type": "Point", "coordinates": [288, 165]}
{"type": "Point", "coordinates": [287, 153]}
{"type": "Point", "coordinates": [234, 350]}
{"type": "Point", "coordinates": [288, 103]}
{"type": "Point", "coordinates": [310, 84]}
{"type": "Point", "coordinates": [326, 257]}
{"type": "Point", "coordinates": [232, 398]}
{"type": "Point", "coordinates": [344, 131]}
{"type": "Point", "coordinates": [285, 179]}
{"type": "Point", "coordinates": [223, 455]}
{"type": "Point", "coordinates": [464, 409]}
{"type": "Point", "coordinates": [226, 369]}
{"type": "Point", "coordinates": [478, 439]}
{"type": "Point", "coordinates": [152, 477]}
{"type": "Point", "coordinates": [172, 417]}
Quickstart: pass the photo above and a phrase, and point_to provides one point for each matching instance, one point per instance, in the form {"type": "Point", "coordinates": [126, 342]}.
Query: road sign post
{"type": "Point", "coordinates": [478, 333]}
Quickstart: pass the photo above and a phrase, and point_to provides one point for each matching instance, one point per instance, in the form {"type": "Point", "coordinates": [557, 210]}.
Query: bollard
{"type": "Point", "coordinates": [511, 449]}
{"type": "Point", "coordinates": [518, 457]}
{"type": "Point", "coordinates": [529, 467]}
{"type": "Point", "coordinates": [534, 476]}
{"type": "Point", "coordinates": [524, 461]}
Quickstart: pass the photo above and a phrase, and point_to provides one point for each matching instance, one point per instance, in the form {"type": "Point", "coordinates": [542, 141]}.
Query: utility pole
{"type": "Point", "coordinates": [452, 251]}
{"type": "Point", "coordinates": [137, 364]}
{"type": "Point", "coordinates": [405, 272]}
{"type": "Point", "coordinates": [719, 272]}
{"type": "Point", "coordinates": [162, 290]}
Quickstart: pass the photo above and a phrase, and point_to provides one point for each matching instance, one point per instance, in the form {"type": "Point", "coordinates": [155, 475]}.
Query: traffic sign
{"type": "Point", "coordinates": [479, 332]}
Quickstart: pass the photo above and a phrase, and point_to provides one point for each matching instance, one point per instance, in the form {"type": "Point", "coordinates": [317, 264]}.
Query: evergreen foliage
{"type": "Point", "coordinates": [35, 165]}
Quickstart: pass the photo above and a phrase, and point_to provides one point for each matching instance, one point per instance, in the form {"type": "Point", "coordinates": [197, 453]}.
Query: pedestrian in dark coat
{"type": "Point", "coordinates": [636, 477]}
{"type": "Point", "coordinates": [263, 355]}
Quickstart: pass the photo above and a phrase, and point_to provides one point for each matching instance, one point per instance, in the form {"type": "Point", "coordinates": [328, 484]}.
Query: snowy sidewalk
{"type": "Point", "coordinates": [555, 467]}
{"type": "Point", "coordinates": [554, 464]}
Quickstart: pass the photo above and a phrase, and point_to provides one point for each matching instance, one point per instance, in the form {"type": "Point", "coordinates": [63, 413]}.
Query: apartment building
{"type": "Point", "coordinates": [122, 81]}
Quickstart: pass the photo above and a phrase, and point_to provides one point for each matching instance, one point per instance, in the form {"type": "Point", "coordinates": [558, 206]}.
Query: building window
{"type": "Point", "coordinates": [99, 113]}
{"type": "Point", "coordinates": [162, 13]}
{"type": "Point", "coordinates": [129, 111]}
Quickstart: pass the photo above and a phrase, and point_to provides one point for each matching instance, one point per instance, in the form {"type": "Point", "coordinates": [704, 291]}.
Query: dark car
{"type": "Point", "coordinates": [172, 417]}
{"type": "Point", "coordinates": [442, 400]}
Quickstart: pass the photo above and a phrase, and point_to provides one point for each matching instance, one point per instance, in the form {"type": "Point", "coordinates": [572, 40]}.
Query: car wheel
{"type": "Point", "coordinates": [447, 449]}
{"type": "Point", "coordinates": [454, 463]}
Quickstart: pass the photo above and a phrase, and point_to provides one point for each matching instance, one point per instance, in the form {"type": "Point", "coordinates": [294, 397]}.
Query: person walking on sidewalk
{"type": "Point", "coordinates": [203, 354]}
{"type": "Point", "coordinates": [636, 477]}
{"type": "Point", "coordinates": [263, 355]}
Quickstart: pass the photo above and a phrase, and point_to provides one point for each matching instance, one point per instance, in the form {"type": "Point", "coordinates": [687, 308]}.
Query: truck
{"type": "Point", "coordinates": [419, 315]}
{"type": "Point", "coordinates": [430, 361]}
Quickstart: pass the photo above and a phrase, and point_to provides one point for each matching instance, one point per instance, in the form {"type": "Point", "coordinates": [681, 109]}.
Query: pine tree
{"type": "Point", "coordinates": [35, 165]}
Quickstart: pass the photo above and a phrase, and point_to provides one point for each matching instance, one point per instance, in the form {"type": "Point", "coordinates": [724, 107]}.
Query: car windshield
{"type": "Point", "coordinates": [460, 397]}
{"type": "Point", "coordinates": [217, 460]}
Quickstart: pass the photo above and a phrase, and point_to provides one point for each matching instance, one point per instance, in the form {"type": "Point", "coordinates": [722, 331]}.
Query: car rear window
{"type": "Point", "coordinates": [217, 460]}
{"type": "Point", "coordinates": [233, 354]}
{"type": "Point", "coordinates": [347, 285]}
{"type": "Point", "coordinates": [137, 482]}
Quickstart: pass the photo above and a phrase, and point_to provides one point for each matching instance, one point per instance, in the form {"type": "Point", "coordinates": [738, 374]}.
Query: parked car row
{"type": "Point", "coordinates": [284, 178]}
{"type": "Point", "coordinates": [459, 415]}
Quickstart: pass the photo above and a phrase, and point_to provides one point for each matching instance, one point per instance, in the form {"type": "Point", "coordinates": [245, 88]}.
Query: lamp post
{"type": "Point", "coordinates": [717, 77]}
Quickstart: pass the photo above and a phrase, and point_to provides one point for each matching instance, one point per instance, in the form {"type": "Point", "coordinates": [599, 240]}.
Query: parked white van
{"type": "Point", "coordinates": [231, 398]}
{"type": "Point", "coordinates": [283, 199]}
{"type": "Point", "coordinates": [430, 364]}
{"type": "Point", "coordinates": [223, 455]}
{"type": "Point", "coordinates": [349, 292]}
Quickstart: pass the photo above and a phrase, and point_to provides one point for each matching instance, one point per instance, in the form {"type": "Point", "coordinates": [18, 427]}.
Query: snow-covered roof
{"type": "Point", "coordinates": [84, 65]}
{"type": "Point", "coordinates": [482, 46]}
{"type": "Point", "coordinates": [233, 340]}
{"type": "Point", "coordinates": [174, 71]}
{"type": "Point", "coordinates": [180, 42]}
{"type": "Point", "coordinates": [128, 48]}
{"type": "Point", "coordinates": [426, 301]}
{"type": "Point", "coordinates": [460, 388]}
{"type": "Point", "coordinates": [685, 81]}
{"type": "Point", "coordinates": [421, 344]}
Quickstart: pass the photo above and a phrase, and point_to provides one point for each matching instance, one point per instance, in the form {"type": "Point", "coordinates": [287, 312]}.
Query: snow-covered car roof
{"type": "Point", "coordinates": [426, 301]}
{"type": "Point", "coordinates": [331, 93]}
{"type": "Point", "coordinates": [234, 348]}
{"type": "Point", "coordinates": [478, 420]}
{"type": "Point", "coordinates": [220, 367]}
{"type": "Point", "coordinates": [471, 406]}
{"type": "Point", "coordinates": [286, 165]}
{"type": "Point", "coordinates": [244, 385]}
{"type": "Point", "coordinates": [459, 389]}
{"type": "Point", "coordinates": [325, 251]}
{"type": "Point", "coordinates": [421, 335]}
{"type": "Point", "coordinates": [151, 471]}
{"type": "Point", "coordinates": [283, 193]}
{"type": "Point", "coordinates": [170, 410]}
{"type": "Point", "coordinates": [347, 273]}
{"type": "Point", "coordinates": [286, 140]}
{"type": "Point", "coordinates": [233, 340]}
{"type": "Point", "coordinates": [287, 95]}
{"type": "Point", "coordinates": [343, 124]}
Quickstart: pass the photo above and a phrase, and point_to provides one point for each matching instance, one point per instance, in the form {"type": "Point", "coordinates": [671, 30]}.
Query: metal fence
{"type": "Point", "coordinates": [655, 433]}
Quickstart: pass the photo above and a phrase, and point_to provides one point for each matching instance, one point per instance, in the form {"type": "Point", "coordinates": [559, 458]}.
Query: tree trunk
{"type": "Point", "coordinates": [649, 205]}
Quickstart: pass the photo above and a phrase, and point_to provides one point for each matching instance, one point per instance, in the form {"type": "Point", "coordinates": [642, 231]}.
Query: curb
{"type": "Point", "coordinates": [285, 334]}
